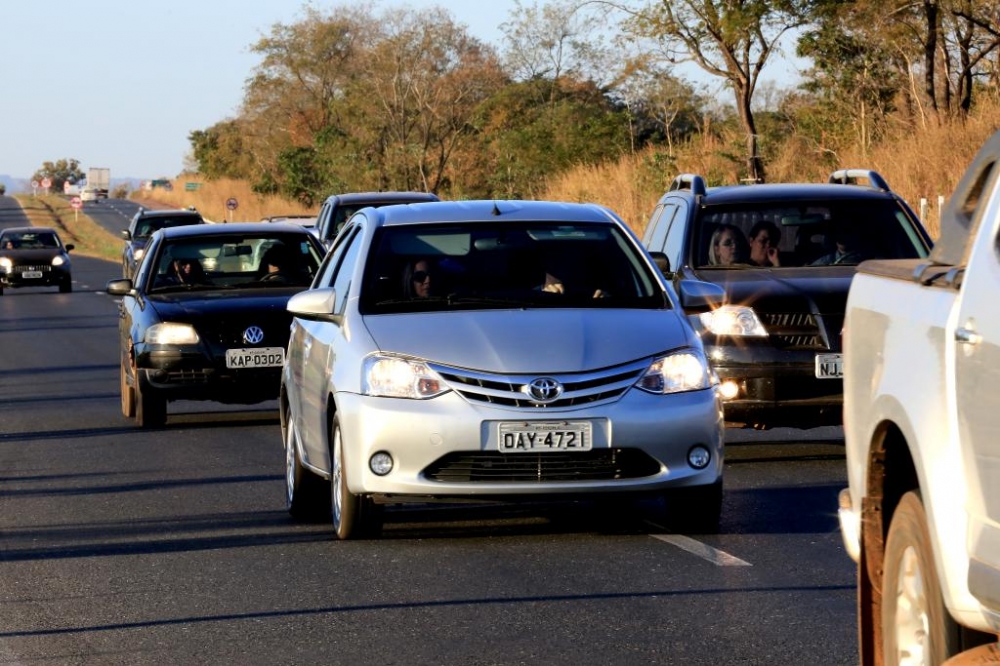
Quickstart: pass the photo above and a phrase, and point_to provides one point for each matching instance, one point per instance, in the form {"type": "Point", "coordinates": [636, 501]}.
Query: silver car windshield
{"type": "Point", "coordinates": [482, 265]}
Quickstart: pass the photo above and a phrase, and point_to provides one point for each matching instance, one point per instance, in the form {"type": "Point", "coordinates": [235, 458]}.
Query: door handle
{"type": "Point", "coordinates": [967, 336]}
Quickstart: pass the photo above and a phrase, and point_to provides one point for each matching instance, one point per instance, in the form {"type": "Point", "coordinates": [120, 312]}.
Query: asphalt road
{"type": "Point", "coordinates": [119, 546]}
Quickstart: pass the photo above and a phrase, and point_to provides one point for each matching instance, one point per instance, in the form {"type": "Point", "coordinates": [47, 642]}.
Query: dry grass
{"type": "Point", "coordinates": [925, 163]}
{"type": "Point", "coordinates": [89, 238]}
{"type": "Point", "coordinates": [211, 196]}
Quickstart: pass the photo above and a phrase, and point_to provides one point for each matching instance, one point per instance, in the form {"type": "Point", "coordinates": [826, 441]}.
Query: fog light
{"type": "Point", "coordinates": [699, 457]}
{"type": "Point", "coordinates": [381, 463]}
{"type": "Point", "coordinates": [729, 389]}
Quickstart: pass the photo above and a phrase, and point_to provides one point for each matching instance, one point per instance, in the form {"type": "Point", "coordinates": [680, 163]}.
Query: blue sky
{"type": "Point", "coordinates": [121, 83]}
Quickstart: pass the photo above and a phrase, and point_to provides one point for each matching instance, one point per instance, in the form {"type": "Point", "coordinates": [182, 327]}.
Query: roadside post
{"type": "Point", "coordinates": [231, 205]}
{"type": "Point", "coordinates": [77, 204]}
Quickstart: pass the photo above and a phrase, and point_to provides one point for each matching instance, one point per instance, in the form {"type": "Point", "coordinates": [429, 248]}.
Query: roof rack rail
{"type": "Point", "coordinates": [689, 181]}
{"type": "Point", "coordinates": [850, 177]}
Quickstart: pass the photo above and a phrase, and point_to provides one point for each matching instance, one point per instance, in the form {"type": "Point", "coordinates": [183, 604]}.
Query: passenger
{"type": "Point", "coordinates": [418, 279]}
{"type": "Point", "coordinates": [764, 239]}
{"type": "Point", "coordinates": [8, 244]}
{"type": "Point", "coordinates": [189, 271]}
{"type": "Point", "coordinates": [727, 246]}
{"type": "Point", "coordinates": [847, 250]}
{"type": "Point", "coordinates": [277, 265]}
{"type": "Point", "coordinates": [564, 277]}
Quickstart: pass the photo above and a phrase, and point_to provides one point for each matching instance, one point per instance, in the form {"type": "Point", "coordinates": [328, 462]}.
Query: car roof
{"type": "Point", "coordinates": [725, 194]}
{"type": "Point", "coordinates": [30, 230]}
{"type": "Point", "coordinates": [379, 197]}
{"type": "Point", "coordinates": [233, 229]}
{"type": "Point", "coordinates": [172, 212]}
{"type": "Point", "coordinates": [492, 211]}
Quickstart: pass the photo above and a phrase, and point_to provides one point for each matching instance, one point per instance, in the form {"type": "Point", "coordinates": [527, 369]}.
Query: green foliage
{"type": "Point", "coordinates": [60, 172]}
{"type": "Point", "coordinates": [3, 189]}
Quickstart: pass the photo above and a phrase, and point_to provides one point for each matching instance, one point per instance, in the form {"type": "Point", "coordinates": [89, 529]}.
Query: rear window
{"type": "Point", "coordinates": [145, 227]}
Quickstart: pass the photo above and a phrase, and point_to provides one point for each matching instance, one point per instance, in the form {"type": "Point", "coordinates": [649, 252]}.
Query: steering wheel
{"type": "Point", "coordinates": [272, 277]}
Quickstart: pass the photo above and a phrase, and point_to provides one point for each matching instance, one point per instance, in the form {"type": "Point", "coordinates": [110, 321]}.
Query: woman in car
{"type": "Point", "coordinates": [727, 246]}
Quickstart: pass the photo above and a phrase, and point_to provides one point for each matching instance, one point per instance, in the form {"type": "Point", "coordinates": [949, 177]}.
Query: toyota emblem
{"type": "Point", "coordinates": [253, 335]}
{"type": "Point", "coordinates": [544, 390]}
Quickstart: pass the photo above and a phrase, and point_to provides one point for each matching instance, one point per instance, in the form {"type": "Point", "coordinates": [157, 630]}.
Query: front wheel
{"type": "Point", "coordinates": [150, 407]}
{"type": "Point", "coordinates": [66, 286]}
{"type": "Point", "coordinates": [127, 392]}
{"type": "Point", "coordinates": [353, 515]}
{"type": "Point", "coordinates": [916, 626]}
{"type": "Point", "coordinates": [304, 491]}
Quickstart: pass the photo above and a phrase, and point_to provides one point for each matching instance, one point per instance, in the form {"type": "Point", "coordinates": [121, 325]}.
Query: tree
{"type": "Point", "coordinates": [730, 39]}
{"type": "Point", "coordinates": [59, 172]}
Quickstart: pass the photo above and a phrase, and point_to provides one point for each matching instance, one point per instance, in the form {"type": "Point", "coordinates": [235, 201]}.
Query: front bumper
{"type": "Point", "coordinates": [50, 276]}
{"type": "Point", "coordinates": [447, 446]}
{"type": "Point", "coordinates": [196, 376]}
{"type": "Point", "coordinates": [777, 387]}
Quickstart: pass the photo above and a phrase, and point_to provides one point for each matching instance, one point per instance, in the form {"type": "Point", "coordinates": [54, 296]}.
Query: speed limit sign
{"type": "Point", "coordinates": [232, 204]}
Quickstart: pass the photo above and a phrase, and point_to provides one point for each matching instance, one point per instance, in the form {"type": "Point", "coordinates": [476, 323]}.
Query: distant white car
{"type": "Point", "coordinates": [90, 194]}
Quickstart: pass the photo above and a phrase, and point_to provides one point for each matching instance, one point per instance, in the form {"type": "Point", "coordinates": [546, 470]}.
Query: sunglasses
{"type": "Point", "coordinates": [420, 276]}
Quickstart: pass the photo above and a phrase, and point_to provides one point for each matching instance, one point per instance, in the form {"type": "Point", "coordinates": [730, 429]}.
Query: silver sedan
{"type": "Point", "coordinates": [496, 350]}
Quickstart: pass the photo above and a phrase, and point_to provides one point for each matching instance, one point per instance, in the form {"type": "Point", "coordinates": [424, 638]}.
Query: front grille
{"type": "Point", "coordinates": [509, 390]}
{"type": "Point", "coordinates": [542, 467]}
{"type": "Point", "coordinates": [24, 269]}
{"type": "Point", "coordinates": [188, 377]}
{"type": "Point", "coordinates": [797, 330]}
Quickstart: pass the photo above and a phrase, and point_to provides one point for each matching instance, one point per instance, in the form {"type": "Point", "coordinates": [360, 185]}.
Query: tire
{"type": "Point", "coordinates": [916, 626]}
{"type": "Point", "coordinates": [66, 286]}
{"type": "Point", "coordinates": [353, 516]}
{"type": "Point", "coordinates": [127, 392]}
{"type": "Point", "coordinates": [150, 407]}
{"type": "Point", "coordinates": [696, 509]}
{"type": "Point", "coordinates": [306, 495]}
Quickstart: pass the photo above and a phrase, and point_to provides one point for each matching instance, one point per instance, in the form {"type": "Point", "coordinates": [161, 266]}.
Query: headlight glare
{"type": "Point", "coordinates": [676, 373]}
{"type": "Point", "coordinates": [138, 253]}
{"type": "Point", "coordinates": [6, 263]}
{"type": "Point", "coordinates": [397, 377]}
{"type": "Point", "coordinates": [169, 333]}
{"type": "Point", "coordinates": [58, 261]}
{"type": "Point", "coordinates": [733, 320]}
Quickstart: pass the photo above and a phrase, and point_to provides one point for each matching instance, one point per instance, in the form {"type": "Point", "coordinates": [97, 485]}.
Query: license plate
{"type": "Point", "coordinates": [28, 275]}
{"type": "Point", "coordinates": [261, 357]}
{"type": "Point", "coordinates": [526, 436]}
{"type": "Point", "coordinates": [829, 366]}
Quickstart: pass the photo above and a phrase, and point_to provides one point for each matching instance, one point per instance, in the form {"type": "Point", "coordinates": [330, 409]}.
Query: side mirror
{"type": "Point", "coordinates": [698, 296]}
{"type": "Point", "coordinates": [315, 305]}
{"type": "Point", "coordinates": [661, 261]}
{"type": "Point", "coordinates": [119, 287]}
{"type": "Point", "coordinates": [126, 235]}
{"type": "Point", "coordinates": [70, 247]}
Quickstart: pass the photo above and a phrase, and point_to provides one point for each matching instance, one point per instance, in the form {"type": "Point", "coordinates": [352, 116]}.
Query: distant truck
{"type": "Point", "coordinates": [921, 515]}
{"type": "Point", "coordinates": [98, 184]}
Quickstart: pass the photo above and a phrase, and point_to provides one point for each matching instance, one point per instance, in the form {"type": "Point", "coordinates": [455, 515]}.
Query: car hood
{"type": "Point", "coordinates": [43, 256]}
{"type": "Point", "coordinates": [188, 307]}
{"type": "Point", "coordinates": [531, 341]}
{"type": "Point", "coordinates": [814, 289]}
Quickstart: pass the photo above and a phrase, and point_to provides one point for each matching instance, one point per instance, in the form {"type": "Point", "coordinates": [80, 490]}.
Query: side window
{"type": "Point", "coordinates": [344, 272]}
{"type": "Point", "coordinates": [325, 276]}
{"type": "Point", "coordinates": [674, 247]}
{"type": "Point", "coordinates": [659, 235]}
{"type": "Point", "coordinates": [652, 227]}
{"type": "Point", "coordinates": [324, 220]}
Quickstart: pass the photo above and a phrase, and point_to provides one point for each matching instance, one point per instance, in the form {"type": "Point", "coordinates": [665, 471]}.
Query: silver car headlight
{"type": "Point", "coordinates": [138, 253]}
{"type": "Point", "coordinates": [169, 333]}
{"type": "Point", "coordinates": [397, 377]}
{"type": "Point", "coordinates": [58, 261]}
{"type": "Point", "coordinates": [733, 320]}
{"type": "Point", "coordinates": [681, 371]}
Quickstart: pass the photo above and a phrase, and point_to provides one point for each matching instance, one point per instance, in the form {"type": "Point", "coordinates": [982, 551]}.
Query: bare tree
{"type": "Point", "coordinates": [730, 39]}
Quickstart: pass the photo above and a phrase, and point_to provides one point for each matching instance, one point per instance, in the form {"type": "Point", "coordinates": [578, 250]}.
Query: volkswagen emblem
{"type": "Point", "coordinates": [544, 390]}
{"type": "Point", "coordinates": [253, 335]}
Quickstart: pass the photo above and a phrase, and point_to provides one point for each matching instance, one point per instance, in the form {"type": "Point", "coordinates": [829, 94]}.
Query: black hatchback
{"type": "Point", "coordinates": [205, 317]}
{"type": "Point", "coordinates": [785, 255]}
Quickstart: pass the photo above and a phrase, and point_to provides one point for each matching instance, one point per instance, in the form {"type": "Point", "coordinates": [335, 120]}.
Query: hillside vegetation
{"type": "Point", "coordinates": [924, 163]}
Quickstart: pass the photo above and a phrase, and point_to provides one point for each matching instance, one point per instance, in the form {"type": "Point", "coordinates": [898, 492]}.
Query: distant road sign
{"type": "Point", "coordinates": [232, 204]}
{"type": "Point", "coordinates": [34, 184]}
{"type": "Point", "coordinates": [66, 186]}
{"type": "Point", "coordinates": [76, 203]}
{"type": "Point", "coordinates": [46, 183]}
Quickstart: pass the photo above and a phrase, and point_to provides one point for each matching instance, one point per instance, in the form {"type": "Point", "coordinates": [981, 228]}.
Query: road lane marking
{"type": "Point", "coordinates": [704, 551]}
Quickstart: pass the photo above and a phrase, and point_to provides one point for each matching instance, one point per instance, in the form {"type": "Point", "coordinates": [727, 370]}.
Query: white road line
{"type": "Point", "coordinates": [704, 551]}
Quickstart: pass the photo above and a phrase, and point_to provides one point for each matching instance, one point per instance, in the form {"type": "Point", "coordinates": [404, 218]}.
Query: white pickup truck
{"type": "Point", "coordinates": [921, 515]}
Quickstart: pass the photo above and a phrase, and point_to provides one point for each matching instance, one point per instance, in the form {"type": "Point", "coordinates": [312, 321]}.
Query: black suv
{"type": "Point", "coordinates": [338, 207]}
{"type": "Point", "coordinates": [785, 255]}
{"type": "Point", "coordinates": [143, 224]}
